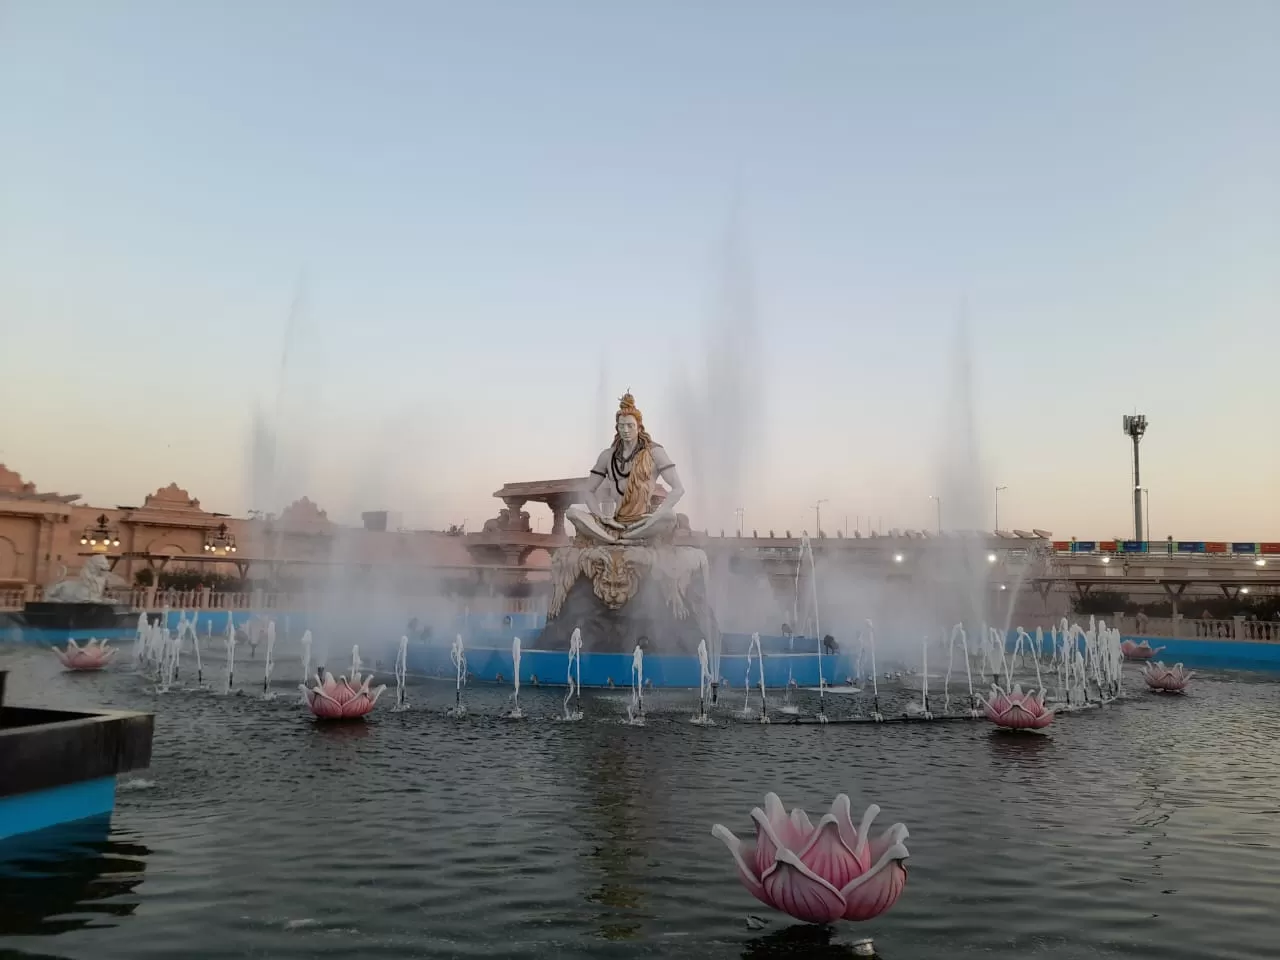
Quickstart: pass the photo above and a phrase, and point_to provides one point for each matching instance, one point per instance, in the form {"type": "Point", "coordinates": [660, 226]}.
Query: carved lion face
{"type": "Point", "coordinates": [613, 579]}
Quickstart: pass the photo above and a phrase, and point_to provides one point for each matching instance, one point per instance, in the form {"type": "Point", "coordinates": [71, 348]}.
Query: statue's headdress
{"type": "Point", "coordinates": [627, 408]}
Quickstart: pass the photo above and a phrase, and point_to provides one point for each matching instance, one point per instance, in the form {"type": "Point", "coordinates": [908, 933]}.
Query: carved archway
{"type": "Point", "coordinates": [159, 559]}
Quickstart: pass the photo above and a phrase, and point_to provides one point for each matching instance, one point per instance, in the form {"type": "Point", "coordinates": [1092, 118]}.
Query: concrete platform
{"type": "Point", "coordinates": [60, 766]}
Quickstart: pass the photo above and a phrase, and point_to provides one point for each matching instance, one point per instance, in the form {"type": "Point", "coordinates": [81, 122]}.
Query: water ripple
{"type": "Point", "coordinates": [1148, 829]}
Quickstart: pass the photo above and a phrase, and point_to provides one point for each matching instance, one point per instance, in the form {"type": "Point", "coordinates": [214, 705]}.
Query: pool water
{"type": "Point", "coordinates": [1150, 828]}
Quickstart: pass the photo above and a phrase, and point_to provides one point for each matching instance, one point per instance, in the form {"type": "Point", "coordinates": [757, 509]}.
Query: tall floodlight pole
{"type": "Point", "coordinates": [939, 502]}
{"type": "Point", "coordinates": [998, 489]}
{"type": "Point", "coordinates": [817, 509]}
{"type": "Point", "coordinates": [1134, 427]}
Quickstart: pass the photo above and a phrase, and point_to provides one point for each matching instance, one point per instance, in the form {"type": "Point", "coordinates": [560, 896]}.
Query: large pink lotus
{"type": "Point", "coordinates": [1017, 710]}
{"type": "Point", "coordinates": [92, 656]}
{"type": "Point", "coordinates": [342, 699]}
{"type": "Point", "coordinates": [1138, 651]}
{"type": "Point", "coordinates": [823, 873]}
{"type": "Point", "coordinates": [1164, 679]}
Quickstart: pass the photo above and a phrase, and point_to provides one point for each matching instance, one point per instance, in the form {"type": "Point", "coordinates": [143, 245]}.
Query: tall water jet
{"type": "Point", "coordinates": [924, 682]}
{"type": "Point", "coordinates": [516, 713]}
{"type": "Point", "coordinates": [458, 657]}
{"type": "Point", "coordinates": [573, 677]}
{"type": "Point", "coordinates": [231, 657]}
{"type": "Point", "coordinates": [356, 662]}
{"type": "Point", "coordinates": [635, 710]}
{"type": "Point", "coordinates": [876, 715]}
{"type": "Point", "coordinates": [764, 703]}
{"type": "Point", "coordinates": [706, 681]}
{"type": "Point", "coordinates": [402, 672]}
{"type": "Point", "coordinates": [753, 650]}
{"type": "Point", "coordinates": [269, 662]}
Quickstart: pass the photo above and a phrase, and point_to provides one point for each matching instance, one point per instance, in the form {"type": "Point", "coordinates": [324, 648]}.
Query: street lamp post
{"type": "Point", "coordinates": [939, 502]}
{"type": "Point", "coordinates": [817, 509]}
{"type": "Point", "coordinates": [1135, 427]}
{"type": "Point", "coordinates": [998, 489]}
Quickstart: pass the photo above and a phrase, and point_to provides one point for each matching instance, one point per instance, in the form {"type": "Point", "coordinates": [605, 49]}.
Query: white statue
{"type": "Point", "coordinates": [88, 587]}
{"type": "Point", "coordinates": [618, 507]}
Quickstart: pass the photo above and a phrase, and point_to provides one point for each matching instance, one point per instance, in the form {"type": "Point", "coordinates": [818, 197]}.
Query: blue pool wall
{"type": "Point", "coordinates": [25, 813]}
{"type": "Point", "coordinates": [488, 639]}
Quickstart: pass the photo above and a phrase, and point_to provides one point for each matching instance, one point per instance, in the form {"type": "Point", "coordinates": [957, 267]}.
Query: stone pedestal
{"type": "Point", "coordinates": [47, 615]}
{"type": "Point", "coordinates": [654, 596]}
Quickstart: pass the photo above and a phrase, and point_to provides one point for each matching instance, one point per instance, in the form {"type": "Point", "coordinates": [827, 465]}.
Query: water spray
{"type": "Point", "coordinates": [401, 671]}
{"type": "Point", "coordinates": [573, 677]}
{"type": "Point", "coordinates": [516, 713]}
{"type": "Point", "coordinates": [635, 711]}
{"type": "Point", "coordinates": [306, 662]}
{"type": "Point", "coordinates": [706, 683]}
{"type": "Point", "coordinates": [458, 657]}
{"type": "Point", "coordinates": [269, 663]}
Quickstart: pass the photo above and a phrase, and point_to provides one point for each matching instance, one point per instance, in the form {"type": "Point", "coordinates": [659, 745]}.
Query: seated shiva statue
{"type": "Point", "coordinates": [618, 507]}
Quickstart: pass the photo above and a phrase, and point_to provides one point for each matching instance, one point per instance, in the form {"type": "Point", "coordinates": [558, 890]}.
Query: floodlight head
{"type": "Point", "coordinates": [1135, 425]}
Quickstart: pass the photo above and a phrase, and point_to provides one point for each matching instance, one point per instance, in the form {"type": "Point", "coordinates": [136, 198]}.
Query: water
{"type": "Point", "coordinates": [1146, 829]}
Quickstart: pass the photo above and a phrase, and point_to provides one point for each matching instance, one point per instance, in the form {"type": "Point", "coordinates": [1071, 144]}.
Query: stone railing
{"type": "Point", "coordinates": [1198, 628]}
{"type": "Point", "coordinates": [13, 598]}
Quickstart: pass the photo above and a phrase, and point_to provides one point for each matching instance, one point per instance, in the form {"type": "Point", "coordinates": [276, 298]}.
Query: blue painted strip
{"type": "Point", "coordinates": [42, 809]}
{"type": "Point", "coordinates": [603, 669]}
{"type": "Point", "coordinates": [1243, 654]}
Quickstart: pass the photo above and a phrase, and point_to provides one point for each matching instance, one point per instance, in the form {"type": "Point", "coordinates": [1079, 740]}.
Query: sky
{"type": "Point", "coordinates": [392, 255]}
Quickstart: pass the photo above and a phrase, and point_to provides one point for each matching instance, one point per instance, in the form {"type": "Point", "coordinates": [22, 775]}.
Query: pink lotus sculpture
{"type": "Point", "coordinates": [1017, 710]}
{"type": "Point", "coordinates": [341, 700]}
{"type": "Point", "coordinates": [92, 656]}
{"type": "Point", "coordinates": [1164, 679]}
{"type": "Point", "coordinates": [823, 873]}
{"type": "Point", "coordinates": [1138, 651]}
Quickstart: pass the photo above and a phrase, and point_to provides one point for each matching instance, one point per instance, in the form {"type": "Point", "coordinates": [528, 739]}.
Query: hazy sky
{"type": "Point", "coordinates": [502, 215]}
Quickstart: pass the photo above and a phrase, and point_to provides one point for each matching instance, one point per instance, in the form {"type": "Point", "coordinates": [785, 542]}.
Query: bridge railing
{"type": "Point", "coordinates": [1171, 549]}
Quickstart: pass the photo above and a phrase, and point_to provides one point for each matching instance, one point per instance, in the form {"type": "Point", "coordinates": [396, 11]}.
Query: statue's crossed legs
{"type": "Point", "coordinates": [606, 530]}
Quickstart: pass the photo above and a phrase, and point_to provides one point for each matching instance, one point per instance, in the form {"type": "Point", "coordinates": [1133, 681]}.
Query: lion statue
{"type": "Point", "coordinates": [88, 587]}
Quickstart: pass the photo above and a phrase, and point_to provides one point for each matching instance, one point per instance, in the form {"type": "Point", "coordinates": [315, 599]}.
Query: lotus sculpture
{"type": "Point", "coordinates": [824, 873]}
{"type": "Point", "coordinates": [1138, 651]}
{"type": "Point", "coordinates": [341, 699]}
{"type": "Point", "coordinates": [1016, 710]}
{"type": "Point", "coordinates": [92, 656]}
{"type": "Point", "coordinates": [1164, 679]}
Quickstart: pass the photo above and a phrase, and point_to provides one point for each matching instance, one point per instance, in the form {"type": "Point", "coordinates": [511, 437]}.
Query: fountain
{"type": "Point", "coordinates": [706, 685]}
{"type": "Point", "coordinates": [573, 678]}
{"type": "Point", "coordinates": [459, 659]}
{"type": "Point", "coordinates": [306, 661]}
{"type": "Point", "coordinates": [924, 683]}
{"type": "Point", "coordinates": [515, 713]}
{"type": "Point", "coordinates": [635, 710]}
{"type": "Point", "coordinates": [759, 655]}
{"type": "Point", "coordinates": [627, 575]}
{"type": "Point", "coordinates": [876, 715]}
{"type": "Point", "coordinates": [269, 663]}
{"type": "Point", "coordinates": [195, 646]}
{"type": "Point", "coordinates": [231, 656]}
{"type": "Point", "coordinates": [401, 670]}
